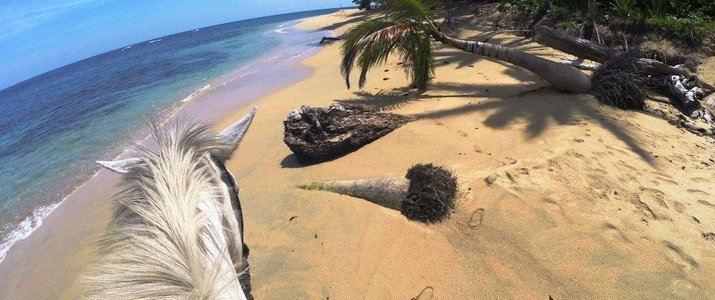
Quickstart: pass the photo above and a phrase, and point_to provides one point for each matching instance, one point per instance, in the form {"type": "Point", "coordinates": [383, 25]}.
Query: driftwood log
{"type": "Point", "coordinates": [684, 93]}
{"type": "Point", "coordinates": [321, 134]}
{"type": "Point", "coordinates": [328, 39]}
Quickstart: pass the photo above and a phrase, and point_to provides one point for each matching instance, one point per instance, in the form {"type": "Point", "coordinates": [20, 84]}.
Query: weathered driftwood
{"type": "Point", "coordinates": [709, 103]}
{"type": "Point", "coordinates": [328, 39]}
{"type": "Point", "coordinates": [683, 93]}
{"type": "Point", "coordinates": [572, 45]}
{"type": "Point", "coordinates": [654, 67]}
{"type": "Point", "coordinates": [316, 134]}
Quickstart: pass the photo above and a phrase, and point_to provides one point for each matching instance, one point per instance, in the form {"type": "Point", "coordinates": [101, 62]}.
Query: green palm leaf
{"type": "Point", "coordinates": [405, 30]}
{"type": "Point", "coordinates": [402, 10]}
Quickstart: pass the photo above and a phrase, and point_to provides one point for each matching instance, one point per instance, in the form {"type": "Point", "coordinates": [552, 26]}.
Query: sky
{"type": "Point", "coordinates": [37, 36]}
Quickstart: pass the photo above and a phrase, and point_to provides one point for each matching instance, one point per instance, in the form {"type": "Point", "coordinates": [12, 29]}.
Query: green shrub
{"type": "Point", "coordinates": [690, 30]}
{"type": "Point", "coordinates": [657, 8]}
{"type": "Point", "coordinates": [626, 9]}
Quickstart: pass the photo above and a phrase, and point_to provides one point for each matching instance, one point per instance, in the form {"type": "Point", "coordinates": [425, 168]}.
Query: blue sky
{"type": "Point", "coordinates": [37, 36]}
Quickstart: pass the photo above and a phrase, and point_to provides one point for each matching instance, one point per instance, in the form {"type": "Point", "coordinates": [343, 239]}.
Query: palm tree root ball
{"type": "Point", "coordinates": [426, 194]}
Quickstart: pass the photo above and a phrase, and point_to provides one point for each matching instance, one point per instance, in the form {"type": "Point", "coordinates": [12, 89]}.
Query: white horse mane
{"type": "Point", "coordinates": [164, 240]}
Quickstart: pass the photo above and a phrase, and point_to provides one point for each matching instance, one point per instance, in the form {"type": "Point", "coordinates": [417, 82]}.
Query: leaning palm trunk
{"type": "Point", "coordinates": [560, 76]}
{"type": "Point", "coordinates": [407, 29]}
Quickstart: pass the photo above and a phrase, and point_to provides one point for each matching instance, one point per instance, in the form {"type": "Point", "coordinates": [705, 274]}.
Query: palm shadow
{"type": "Point", "coordinates": [534, 104]}
{"type": "Point", "coordinates": [357, 17]}
{"type": "Point", "coordinates": [539, 109]}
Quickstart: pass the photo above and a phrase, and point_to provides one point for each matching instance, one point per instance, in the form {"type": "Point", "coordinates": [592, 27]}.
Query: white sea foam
{"type": "Point", "coordinates": [197, 93]}
{"type": "Point", "coordinates": [25, 228]}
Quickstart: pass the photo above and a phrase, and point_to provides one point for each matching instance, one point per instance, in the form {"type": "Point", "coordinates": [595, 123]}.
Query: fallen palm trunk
{"type": "Point", "coordinates": [426, 194]}
{"type": "Point", "coordinates": [589, 50]}
{"type": "Point", "coordinates": [616, 82]}
{"type": "Point", "coordinates": [572, 45]}
{"type": "Point", "coordinates": [578, 63]}
{"type": "Point", "coordinates": [560, 76]}
{"type": "Point", "coordinates": [316, 134]}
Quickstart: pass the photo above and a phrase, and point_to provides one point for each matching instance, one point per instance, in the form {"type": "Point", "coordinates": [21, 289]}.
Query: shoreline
{"type": "Point", "coordinates": [239, 78]}
{"type": "Point", "coordinates": [588, 202]}
{"type": "Point", "coordinates": [209, 104]}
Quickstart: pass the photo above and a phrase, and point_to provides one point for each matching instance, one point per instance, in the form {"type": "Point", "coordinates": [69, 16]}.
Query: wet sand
{"type": "Point", "coordinates": [589, 201]}
{"type": "Point", "coordinates": [49, 263]}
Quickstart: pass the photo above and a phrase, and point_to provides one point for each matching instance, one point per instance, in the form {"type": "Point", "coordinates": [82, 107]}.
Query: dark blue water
{"type": "Point", "coordinates": [54, 126]}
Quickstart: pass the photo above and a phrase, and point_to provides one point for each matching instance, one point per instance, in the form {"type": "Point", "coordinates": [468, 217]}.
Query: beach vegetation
{"type": "Point", "coordinates": [367, 4]}
{"type": "Point", "coordinates": [688, 21]}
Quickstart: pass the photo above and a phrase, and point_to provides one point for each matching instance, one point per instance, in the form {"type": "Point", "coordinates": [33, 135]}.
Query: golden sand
{"type": "Point", "coordinates": [588, 202]}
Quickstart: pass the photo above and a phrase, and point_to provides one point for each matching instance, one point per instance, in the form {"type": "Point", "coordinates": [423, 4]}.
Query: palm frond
{"type": "Point", "coordinates": [417, 50]}
{"type": "Point", "coordinates": [402, 10]}
{"type": "Point", "coordinates": [369, 44]}
{"type": "Point", "coordinates": [405, 29]}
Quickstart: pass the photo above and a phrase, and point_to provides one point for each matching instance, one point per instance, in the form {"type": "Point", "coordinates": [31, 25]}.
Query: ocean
{"type": "Point", "coordinates": [54, 126]}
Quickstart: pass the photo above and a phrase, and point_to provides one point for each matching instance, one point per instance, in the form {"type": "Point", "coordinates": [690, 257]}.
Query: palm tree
{"type": "Point", "coordinates": [544, 7]}
{"type": "Point", "coordinates": [407, 29]}
{"type": "Point", "coordinates": [590, 20]}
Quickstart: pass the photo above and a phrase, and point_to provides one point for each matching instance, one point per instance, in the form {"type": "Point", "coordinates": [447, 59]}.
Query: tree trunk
{"type": "Point", "coordinates": [386, 192]}
{"type": "Point", "coordinates": [572, 45]}
{"type": "Point", "coordinates": [560, 76]}
{"type": "Point", "coordinates": [544, 7]}
{"type": "Point", "coordinates": [590, 20]}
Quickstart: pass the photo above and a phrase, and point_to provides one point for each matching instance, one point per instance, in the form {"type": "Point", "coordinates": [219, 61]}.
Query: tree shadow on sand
{"type": "Point", "coordinates": [356, 17]}
{"type": "Point", "coordinates": [538, 107]}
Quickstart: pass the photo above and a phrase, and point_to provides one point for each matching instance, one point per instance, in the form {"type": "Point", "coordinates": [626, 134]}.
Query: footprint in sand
{"type": "Point", "coordinates": [700, 179]}
{"type": "Point", "coordinates": [679, 207]}
{"type": "Point", "coordinates": [617, 231]}
{"type": "Point", "coordinates": [680, 258]}
{"type": "Point", "coordinates": [706, 203]}
{"type": "Point", "coordinates": [426, 294]}
{"type": "Point", "coordinates": [477, 149]}
{"type": "Point", "coordinates": [507, 161]}
{"type": "Point", "coordinates": [476, 219]}
{"type": "Point", "coordinates": [696, 191]}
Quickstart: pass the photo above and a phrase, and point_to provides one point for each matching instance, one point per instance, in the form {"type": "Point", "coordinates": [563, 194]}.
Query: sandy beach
{"type": "Point", "coordinates": [589, 201]}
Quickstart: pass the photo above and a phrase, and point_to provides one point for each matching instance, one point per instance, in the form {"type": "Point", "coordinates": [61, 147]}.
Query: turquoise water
{"type": "Point", "coordinates": [54, 126]}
